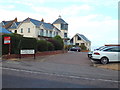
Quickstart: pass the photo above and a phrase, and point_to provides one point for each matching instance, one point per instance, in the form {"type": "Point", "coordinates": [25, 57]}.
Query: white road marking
{"type": "Point", "coordinates": [76, 77]}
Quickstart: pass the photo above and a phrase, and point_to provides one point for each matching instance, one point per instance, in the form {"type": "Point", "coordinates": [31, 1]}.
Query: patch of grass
{"type": "Point", "coordinates": [115, 66]}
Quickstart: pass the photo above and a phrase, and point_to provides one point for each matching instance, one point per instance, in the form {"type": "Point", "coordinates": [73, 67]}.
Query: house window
{"type": "Point", "coordinates": [56, 33]}
{"type": "Point", "coordinates": [79, 38]}
{"type": "Point", "coordinates": [21, 30]}
{"type": "Point", "coordinates": [65, 34]}
{"type": "Point", "coordinates": [41, 32]}
{"type": "Point", "coordinates": [15, 31]}
{"type": "Point", "coordinates": [28, 30]}
{"type": "Point", "coordinates": [50, 33]}
{"type": "Point", "coordinates": [46, 32]}
{"type": "Point", "coordinates": [64, 26]}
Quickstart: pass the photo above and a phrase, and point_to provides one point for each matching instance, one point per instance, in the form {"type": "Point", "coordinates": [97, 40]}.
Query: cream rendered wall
{"type": "Point", "coordinates": [58, 26]}
{"type": "Point", "coordinates": [62, 31]}
{"type": "Point", "coordinates": [33, 30]}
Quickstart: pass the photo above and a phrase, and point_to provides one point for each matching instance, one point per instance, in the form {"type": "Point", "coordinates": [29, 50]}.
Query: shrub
{"type": "Point", "coordinates": [17, 43]}
{"type": "Point", "coordinates": [56, 44]}
{"type": "Point", "coordinates": [50, 46]}
{"type": "Point", "coordinates": [15, 39]}
{"type": "Point", "coordinates": [67, 47]}
{"type": "Point", "coordinates": [42, 45]}
{"type": "Point", "coordinates": [83, 47]}
{"type": "Point", "coordinates": [28, 43]}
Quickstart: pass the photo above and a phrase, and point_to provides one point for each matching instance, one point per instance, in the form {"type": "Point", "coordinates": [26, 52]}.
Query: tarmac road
{"type": "Point", "coordinates": [73, 67]}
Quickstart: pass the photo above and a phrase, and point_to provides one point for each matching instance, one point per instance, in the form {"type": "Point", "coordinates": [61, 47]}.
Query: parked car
{"type": "Point", "coordinates": [90, 53]}
{"type": "Point", "coordinates": [76, 48]}
{"type": "Point", "coordinates": [106, 55]}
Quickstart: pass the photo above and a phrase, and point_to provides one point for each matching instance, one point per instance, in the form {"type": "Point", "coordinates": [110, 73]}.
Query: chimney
{"type": "Point", "coordinates": [42, 20]}
{"type": "Point", "coordinates": [15, 19]}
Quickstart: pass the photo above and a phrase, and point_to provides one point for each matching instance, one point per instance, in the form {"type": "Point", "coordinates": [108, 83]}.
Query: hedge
{"type": "Point", "coordinates": [19, 42]}
{"type": "Point", "coordinates": [43, 45]}
{"type": "Point", "coordinates": [15, 39]}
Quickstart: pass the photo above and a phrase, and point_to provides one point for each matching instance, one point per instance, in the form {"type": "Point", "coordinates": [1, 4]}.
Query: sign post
{"type": "Point", "coordinates": [7, 41]}
{"type": "Point", "coordinates": [32, 51]}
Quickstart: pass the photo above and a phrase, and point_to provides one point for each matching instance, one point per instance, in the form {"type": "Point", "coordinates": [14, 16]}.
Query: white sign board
{"type": "Point", "coordinates": [27, 51]}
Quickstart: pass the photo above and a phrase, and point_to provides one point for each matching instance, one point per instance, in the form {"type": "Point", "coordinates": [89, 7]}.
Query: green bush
{"type": "Point", "coordinates": [83, 47]}
{"type": "Point", "coordinates": [28, 43]}
{"type": "Point", "coordinates": [17, 43]}
{"type": "Point", "coordinates": [56, 43]}
{"type": "Point", "coordinates": [15, 39]}
{"type": "Point", "coordinates": [50, 46]}
{"type": "Point", "coordinates": [42, 45]}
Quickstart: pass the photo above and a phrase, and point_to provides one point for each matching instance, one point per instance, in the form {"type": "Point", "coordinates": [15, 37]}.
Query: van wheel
{"type": "Point", "coordinates": [104, 60]}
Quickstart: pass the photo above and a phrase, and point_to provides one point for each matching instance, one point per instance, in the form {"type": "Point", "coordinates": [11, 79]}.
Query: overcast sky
{"type": "Point", "coordinates": [96, 19]}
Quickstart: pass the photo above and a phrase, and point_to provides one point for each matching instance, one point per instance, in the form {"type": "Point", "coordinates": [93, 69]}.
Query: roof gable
{"type": "Point", "coordinates": [35, 22]}
{"type": "Point", "coordinates": [82, 37]}
{"type": "Point", "coordinates": [14, 25]}
{"type": "Point", "coordinates": [59, 21]}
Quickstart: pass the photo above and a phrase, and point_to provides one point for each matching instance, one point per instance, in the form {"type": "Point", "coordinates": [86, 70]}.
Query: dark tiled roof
{"type": "Point", "coordinates": [3, 30]}
{"type": "Point", "coordinates": [14, 25]}
{"type": "Point", "coordinates": [59, 21]}
{"type": "Point", "coordinates": [48, 26]}
{"type": "Point", "coordinates": [17, 23]}
{"type": "Point", "coordinates": [38, 23]}
{"type": "Point", "coordinates": [83, 37]}
{"type": "Point", "coordinates": [35, 22]}
{"type": "Point", "coordinates": [6, 22]}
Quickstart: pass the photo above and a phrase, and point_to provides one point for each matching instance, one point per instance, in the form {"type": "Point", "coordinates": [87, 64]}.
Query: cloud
{"type": "Point", "coordinates": [19, 14]}
{"type": "Point", "coordinates": [76, 9]}
{"type": "Point", "coordinates": [98, 32]}
{"type": "Point", "coordinates": [99, 28]}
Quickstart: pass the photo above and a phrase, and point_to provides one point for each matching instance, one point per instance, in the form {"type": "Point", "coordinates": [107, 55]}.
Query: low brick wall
{"type": "Point", "coordinates": [37, 54]}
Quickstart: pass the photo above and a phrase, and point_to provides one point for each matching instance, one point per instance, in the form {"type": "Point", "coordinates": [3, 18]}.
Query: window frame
{"type": "Point", "coordinates": [21, 30]}
{"type": "Point", "coordinates": [28, 30]}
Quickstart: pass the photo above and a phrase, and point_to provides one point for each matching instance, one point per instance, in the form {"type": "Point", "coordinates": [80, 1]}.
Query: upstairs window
{"type": "Point", "coordinates": [79, 38]}
{"type": "Point", "coordinates": [28, 30]}
{"type": "Point", "coordinates": [50, 33]}
{"type": "Point", "coordinates": [21, 30]}
{"type": "Point", "coordinates": [41, 32]}
{"type": "Point", "coordinates": [64, 26]}
{"type": "Point", "coordinates": [46, 32]}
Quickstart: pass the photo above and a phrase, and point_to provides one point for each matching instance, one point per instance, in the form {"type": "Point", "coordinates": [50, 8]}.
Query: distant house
{"type": "Point", "coordinates": [80, 39]}
{"type": "Point", "coordinates": [38, 29]}
{"type": "Point", "coordinates": [4, 31]}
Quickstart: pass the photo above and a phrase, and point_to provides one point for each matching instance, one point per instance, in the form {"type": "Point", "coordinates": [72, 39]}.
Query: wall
{"type": "Point", "coordinates": [25, 26]}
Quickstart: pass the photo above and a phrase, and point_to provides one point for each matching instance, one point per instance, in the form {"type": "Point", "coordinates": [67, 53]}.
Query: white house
{"type": "Point", "coordinates": [38, 29]}
{"type": "Point", "coordinates": [80, 39]}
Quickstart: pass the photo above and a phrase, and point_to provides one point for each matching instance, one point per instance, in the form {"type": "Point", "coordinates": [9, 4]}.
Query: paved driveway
{"type": "Point", "coordinates": [72, 58]}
